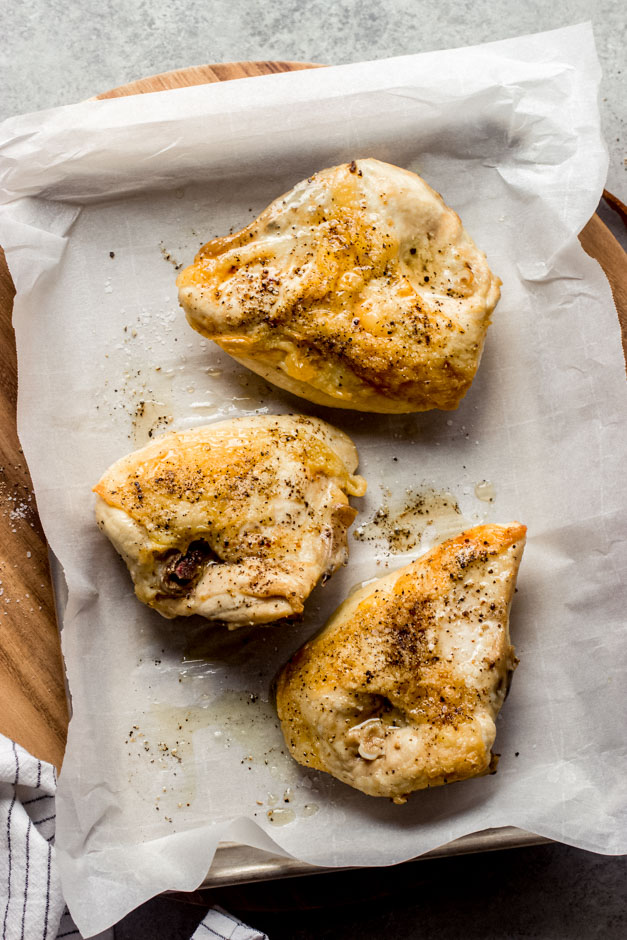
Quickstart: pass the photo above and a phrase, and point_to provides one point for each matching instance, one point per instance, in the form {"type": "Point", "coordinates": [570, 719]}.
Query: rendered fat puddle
{"type": "Point", "coordinates": [239, 721]}
{"type": "Point", "coordinates": [153, 408]}
{"type": "Point", "coordinates": [245, 722]}
{"type": "Point", "coordinates": [485, 491]}
{"type": "Point", "coordinates": [162, 737]}
{"type": "Point", "coordinates": [231, 397]}
{"type": "Point", "coordinates": [419, 520]}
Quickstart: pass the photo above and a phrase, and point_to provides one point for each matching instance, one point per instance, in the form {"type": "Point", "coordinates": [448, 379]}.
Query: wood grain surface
{"type": "Point", "coordinates": [203, 75]}
{"type": "Point", "coordinates": [33, 707]}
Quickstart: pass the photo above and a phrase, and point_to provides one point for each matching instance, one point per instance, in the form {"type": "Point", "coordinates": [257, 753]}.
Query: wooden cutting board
{"type": "Point", "coordinates": [33, 707]}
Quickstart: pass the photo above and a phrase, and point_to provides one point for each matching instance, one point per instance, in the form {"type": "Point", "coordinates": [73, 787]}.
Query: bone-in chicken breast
{"type": "Point", "coordinates": [401, 689]}
{"type": "Point", "coordinates": [236, 521]}
{"type": "Point", "coordinates": [358, 289]}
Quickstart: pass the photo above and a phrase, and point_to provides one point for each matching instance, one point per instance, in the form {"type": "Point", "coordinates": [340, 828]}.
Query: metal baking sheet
{"type": "Point", "coordinates": [239, 864]}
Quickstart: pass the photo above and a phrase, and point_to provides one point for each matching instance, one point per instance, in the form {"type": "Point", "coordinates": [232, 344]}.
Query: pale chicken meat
{"type": "Point", "coordinates": [401, 689]}
{"type": "Point", "coordinates": [235, 521]}
{"type": "Point", "coordinates": [358, 289]}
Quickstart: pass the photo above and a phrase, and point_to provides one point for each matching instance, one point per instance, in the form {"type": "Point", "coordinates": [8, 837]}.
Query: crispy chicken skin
{"type": "Point", "coordinates": [401, 689]}
{"type": "Point", "coordinates": [235, 521]}
{"type": "Point", "coordinates": [358, 289]}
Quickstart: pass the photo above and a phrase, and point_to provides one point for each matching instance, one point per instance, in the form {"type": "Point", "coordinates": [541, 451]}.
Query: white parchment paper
{"type": "Point", "coordinates": [173, 743]}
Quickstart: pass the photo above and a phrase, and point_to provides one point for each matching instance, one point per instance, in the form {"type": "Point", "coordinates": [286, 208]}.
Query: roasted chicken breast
{"type": "Point", "coordinates": [358, 289]}
{"type": "Point", "coordinates": [236, 521]}
{"type": "Point", "coordinates": [401, 689]}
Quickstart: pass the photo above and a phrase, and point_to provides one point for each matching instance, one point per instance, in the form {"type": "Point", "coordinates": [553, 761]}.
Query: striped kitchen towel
{"type": "Point", "coordinates": [219, 923]}
{"type": "Point", "coordinates": [31, 903]}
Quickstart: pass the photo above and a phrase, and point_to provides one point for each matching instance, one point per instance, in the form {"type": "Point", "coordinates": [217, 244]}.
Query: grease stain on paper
{"type": "Point", "coordinates": [151, 418]}
{"type": "Point", "coordinates": [485, 491]}
{"type": "Point", "coordinates": [241, 721]}
{"type": "Point", "coordinates": [246, 720]}
{"type": "Point", "coordinates": [281, 816]}
{"type": "Point", "coordinates": [163, 736]}
{"type": "Point", "coordinates": [419, 520]}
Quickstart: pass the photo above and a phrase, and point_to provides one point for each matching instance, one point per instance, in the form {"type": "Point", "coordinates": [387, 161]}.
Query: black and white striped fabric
{"type": "Point", "coordinates": [31, 903]}
{"type": "Point", "coordinates": [218, 923]}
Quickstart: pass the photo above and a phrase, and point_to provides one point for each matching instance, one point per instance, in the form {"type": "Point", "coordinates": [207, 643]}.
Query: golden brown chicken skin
{"type": "Point", "coordinates": [401, 689]}
{"type": "Point", "coordinates": [358, 289]}
{"type": "Point", "coordinates": [235, 521]}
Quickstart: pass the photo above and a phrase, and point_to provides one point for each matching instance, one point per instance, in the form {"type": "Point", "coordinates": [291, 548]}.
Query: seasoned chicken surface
{"type": "Point", "coordinates": [401, 689]}
{"type": "Point", "coordinates": [357, 289]}
{"type": "Point", "coordinates": [236, 521]}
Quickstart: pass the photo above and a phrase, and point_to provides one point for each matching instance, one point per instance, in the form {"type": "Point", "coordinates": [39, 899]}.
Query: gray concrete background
{"type": "Point", "coordinates": [59, 51]}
